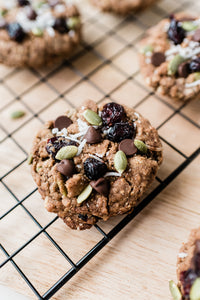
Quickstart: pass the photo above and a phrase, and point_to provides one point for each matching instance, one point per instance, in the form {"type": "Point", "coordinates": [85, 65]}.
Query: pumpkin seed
{"type": "Point", "coordinates": [92, 117]}
{"type": "Point", "coordinates": [195, 290]}
{"type": "Point", "coordinates": [3, 12]}
{"type": "Point", "coordinates": [30, 159]}
{"type": "Point", "coordinates": [140, 146]}
{"type": "Point", "coordinates": [175, 292]}
{"type": "Point", "coordinates": [189, 26]}
{"type": "Point", "coordinates": [38, 168]}
{"type": "Point", "coordinates": [120, 161]}
{"type": "Point", "coordinates": [62, 188]}
{"type": "Point", "coordinates": [37, 31]}
{"type": "Point", "coordinates": [73, 22]}
{"type": "Point", "coordinates": [85, 194]}
{"type": "Point", "coordinates": [174, 64]}
{"type": "Point", "coordinates": [147, 49]}
{"type": "Point", "coordinates": [17, 114]}
{"type": "Point", "coordinates": [196, 76]}
{"type": "Point", "coordinates": [66, 152]}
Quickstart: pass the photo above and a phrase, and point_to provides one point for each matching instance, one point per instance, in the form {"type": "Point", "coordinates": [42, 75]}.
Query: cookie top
{"type": "Point", "coordinates": [95, 162]}
{"type": "Point", "coordinates": [122, 6]}
{"type": "Point", "coordinates": [170, 57]}
{"type": "Point", "coordinates": [188, 266]}
{"type": "Point", "coordinates": [37, 29]}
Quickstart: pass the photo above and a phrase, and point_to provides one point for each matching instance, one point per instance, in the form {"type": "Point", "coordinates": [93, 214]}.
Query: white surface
{"type": "Point", "coordinates": [8, 294]}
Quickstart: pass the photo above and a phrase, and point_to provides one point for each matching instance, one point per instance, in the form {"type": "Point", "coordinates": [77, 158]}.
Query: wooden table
{"type": "Point", "coordinates": [140, 260]}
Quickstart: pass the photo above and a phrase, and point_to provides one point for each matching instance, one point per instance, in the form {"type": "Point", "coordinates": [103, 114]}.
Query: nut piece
{"type": "Point", "coordinates": [85, 194]}
{"type": "Point", "coordinates": [92, 117]}
{"type": "Point", "coordinates": [140, 146]}
{"type": "Point", "coordinates": [175, 292]}
{"type": "Point", "coordinates": [195, 290]}
{"type": "Point", "coordinates": [120, 161]}
{"type": "Point", "coordinates": [67, 152]}
{"type": "Point", "coordinates": [174, 64]}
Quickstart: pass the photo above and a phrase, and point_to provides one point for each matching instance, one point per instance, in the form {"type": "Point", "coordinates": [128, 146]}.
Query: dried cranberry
{"type": "Point", "coordinates": [121, 131]}
{"type": "Point", "coordinates": [187, 278]}
{"type": "Point", "coordinates": [56, 143]}
{"type": "Point", "coordinates": [112, 113]}
{"type": "Point", "coordinates": [61, 25]}
{"type": "Point", "coordinates": [197, 263]}
{"type": "Point", "coordinates": [175, 32]}
{"type": "Point", "coordinates": [195, 65]}
{"type": "Point", "coordinates": [23, 2]}
{"type": "Point", "coordinates": [94, 169]}
{"type": "Point", "coordinates": [16, 32]}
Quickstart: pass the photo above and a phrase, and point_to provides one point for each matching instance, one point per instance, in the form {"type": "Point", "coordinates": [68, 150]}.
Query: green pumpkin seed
{"type": "Point", "coordinates": [3, 12]}
{"type": "Point", "coordinates": [17, 114]}
{"type": "Point", "coordinates": [140, 146]}
{"type": "Point", "coordinates": [73, 22]}
{"type": "Point", "coordinates": [147, 49]}
{"type": "Point", "coordinates": [85, 194]}
{"type": "Point", "coordinates": [174, 64]}
{"type": "Point", "coordinates": [37, 31]}
{"type": "Point", "coordinates": [120, 161]}
{"type": "Point", "coordinates": [38, 168]}
{"type": "Point", "coordinates": [66, 152]}
{"type": "Point", "coordinates": [30, 159]}
{"type": "Point", "coordinates": [175, 292]}
{"type": "Point", "coordinates": [189, 26]}
{"type": "Point", "coordinates": [92, 117]}
{"type": "Point", "coordinates": [196, 76]}
{"type": "Point", "coordinates": [195, 290]}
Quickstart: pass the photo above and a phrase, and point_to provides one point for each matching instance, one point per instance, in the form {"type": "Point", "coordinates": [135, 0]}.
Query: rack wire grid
{"type": "Point", "coordinates": [104, 66]}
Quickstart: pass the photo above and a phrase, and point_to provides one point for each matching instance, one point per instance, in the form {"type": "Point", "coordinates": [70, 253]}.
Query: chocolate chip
{"type": "Point", "coordinates": [101, 186]}
{"type": "Point", "coordinates": [92, 136]}
{"type": "Point", "coordinates": [157, 58]}
{"type": "Point", "coordinates": [66, 167]}
{"type": "Point", "coordinates": [196, 36]}
{"type": "Point", "coordinates": [62, 122]}
{"type": "Point", "coordinates": [128, 147]}
{"type": "Point", "coordinates": [83, 217]}
{"type": "Point", "coordinates": [30, 13]}
{"type": "Point", "coordinates": [184, 70]}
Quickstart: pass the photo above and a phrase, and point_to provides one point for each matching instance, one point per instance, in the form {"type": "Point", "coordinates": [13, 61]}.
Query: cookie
{"type": "Point", "coordinates": [170, 57]}
{"type": "Point", "coordinates": [122, 6]}
{"type": "Point", "coordinates": [35, 33]}
{"type": "Point", "coordinates": [95, 162]}
{"type": "Point", "coordinates": [188, 269]}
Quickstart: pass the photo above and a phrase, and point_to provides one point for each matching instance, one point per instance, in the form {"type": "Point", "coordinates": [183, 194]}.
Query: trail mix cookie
{"type": "Point", "coordinates": [34, 33]}
{"type": "Point", "coordinates": [95, 163]}
{"type": "Point", "coordinates": [170, 58]}
{"type": "Point", "coordinates": [188, 270]}
{"type": "Point", "coordinates": [122, 6]}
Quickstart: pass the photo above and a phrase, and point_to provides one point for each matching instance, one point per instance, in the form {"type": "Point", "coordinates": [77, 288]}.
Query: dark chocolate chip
{"type": "Point", "coordinates": [92, 136]}
{"type": "Point", "coordinates": [66, 167]}
{"type": "Point", "coordinates": [196, 36]}
{"type": "Point", "coordinates": [62, 122]}
{"type": "Point", "coordinates": [101, 186]}
{"type": "Point", "coordinates": [128, 147]}
{"type": "Point", "coordinates": [184, 69]}
{"type": "Point", "coordinates": [30, 13]}
{"type": "Point", "coordinates": [157, 58]}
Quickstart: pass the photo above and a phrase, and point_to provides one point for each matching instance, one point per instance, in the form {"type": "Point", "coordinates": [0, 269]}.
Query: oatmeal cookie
{"type": "Point", "coordinates": [188, 269]}
{"type": "Point", "coordinates": [170, 57]}
{"type": "Point", "coordinates": [122, 6]}
{"type": "Point", "coordinates": [35, 33]}
{"type": "Point", "coordinates": [95, 162]}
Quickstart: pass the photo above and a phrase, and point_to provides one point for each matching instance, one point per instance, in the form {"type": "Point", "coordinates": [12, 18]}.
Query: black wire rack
{"type": "Point", "coordinates": [45, 78]}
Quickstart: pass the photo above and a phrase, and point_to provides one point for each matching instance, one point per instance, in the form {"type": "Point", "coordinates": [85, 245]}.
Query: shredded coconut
{"type": "Point", "coordinates": [54, 130]}
{"type": "Point", "coordinates": [80, 147]}
{"type": "Point", "coordinates": [112, 174]}
{"type": "Point", "coordinates": [50, 31]}
{"type": "Point", "coordinates": [82, 126]}
{"type": "Point", "coordinates": [192, 84]}
{"type": "Point", "coordinates": [96, 157]}
{"type": "Point", "coordinates": [182, 255]}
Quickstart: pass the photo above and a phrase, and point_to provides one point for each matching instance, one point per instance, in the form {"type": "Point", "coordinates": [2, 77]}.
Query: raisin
{"type": "Point", "coordinates": [195, 65]}
{"type": "Point", "coordinates": [112, 113]}
{"type": "Point", "coordinates": [120, 131]}
{"type": "Point", "coordinates": [175, 32]}
{"type": "Point", "coordinates": [94, 169]}
{"type": "Point", "coordinates": [83, 217]}
{"type": "Point", "coordinates": [23, 2]}
{"type": "Point", "coordinates": [56, 143]}
{"type": "Point", "coordinates": [61, 25]}
{"type": "Point", "coordinates": [187, 278]}
{"type": "Point", "coordinates": [16, 32]}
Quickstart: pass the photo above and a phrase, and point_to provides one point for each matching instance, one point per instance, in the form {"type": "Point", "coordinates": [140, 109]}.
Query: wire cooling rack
{"type": "Point", "coordinates": [105, 66]}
